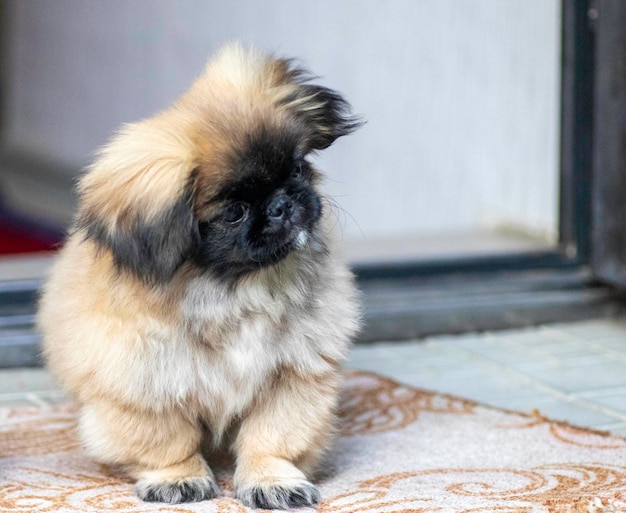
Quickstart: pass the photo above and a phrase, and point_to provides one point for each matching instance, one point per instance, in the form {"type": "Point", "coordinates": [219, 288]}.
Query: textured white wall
{"type": "Point", "coordinates": [461, 96]}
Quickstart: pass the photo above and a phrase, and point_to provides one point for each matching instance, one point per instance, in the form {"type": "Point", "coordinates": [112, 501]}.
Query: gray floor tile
{"type": "Point", "coordinates": [577, 376]}
{"type": "Point", "coordinates": [585, 359]}
{"type": "Point", "coordinates": [376, 351]}
{"type": "Point", "coordinates": [594, 329]}
{"type": "Point", "coordinates": [613, 427]}
{"type": "Point", "coordinates": [522, 338]}
{"type": "Point", "coordinates": [21, 399]}
{"type": "Point", "coordinates": [614, 344]}
{"type": "Point", "coordinates": [385, 367]}
{"type": "Point", "coordinates": [25, 380]}
{"type": "Point", "coordinates": [613, 398]}
{"type": "Point", "coordinates": [420, 351]}
{"type": "Point", "coordinates": [505, 352]}
{"type": "Point", "coordinates": [473, 384]}
{"type": "Point", "coordinates": [407, 357]}
{"type": "Point", "coordinates": [559, 348]}
{"type": "Point", "coordinates": [15, 403]}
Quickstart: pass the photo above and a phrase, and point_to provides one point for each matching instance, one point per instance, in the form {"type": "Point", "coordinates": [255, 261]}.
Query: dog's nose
{"type": "Point", "coordinates": [281, 207]}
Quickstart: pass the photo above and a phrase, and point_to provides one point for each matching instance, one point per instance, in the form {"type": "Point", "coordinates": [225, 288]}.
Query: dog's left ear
{"type": "Point", "coordinates": [326, 114]}
{"type": "Point", "coordinates": [136, 202]}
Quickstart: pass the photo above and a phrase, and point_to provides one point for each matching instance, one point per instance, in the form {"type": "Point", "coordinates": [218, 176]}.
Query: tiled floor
{"type": "Point", "coordinates": [574, 372]}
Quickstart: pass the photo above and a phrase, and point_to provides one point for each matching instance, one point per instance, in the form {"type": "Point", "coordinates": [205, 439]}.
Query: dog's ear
{"type": "Point", "coordinates": [326, 114]}
{"type": "Point", "coordinates": [136, 202]}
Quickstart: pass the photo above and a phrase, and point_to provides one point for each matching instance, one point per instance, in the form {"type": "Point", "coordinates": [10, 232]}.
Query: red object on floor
{"type": "Point", "coordinates": [14, 240]}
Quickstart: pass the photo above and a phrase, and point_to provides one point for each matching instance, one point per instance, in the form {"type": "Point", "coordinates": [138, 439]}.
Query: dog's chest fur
{"type": "Point", "coordinates": [237, 340]}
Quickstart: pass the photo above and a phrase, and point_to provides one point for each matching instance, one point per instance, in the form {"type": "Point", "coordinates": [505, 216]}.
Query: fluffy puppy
{"type": "Point", "coordinates": [200, 292]}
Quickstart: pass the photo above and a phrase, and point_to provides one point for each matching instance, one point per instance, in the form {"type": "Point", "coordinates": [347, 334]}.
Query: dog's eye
{"type": "Point", "coordinates": [301, 170]}
{"type": "Point", "coordinates": [235, 213]}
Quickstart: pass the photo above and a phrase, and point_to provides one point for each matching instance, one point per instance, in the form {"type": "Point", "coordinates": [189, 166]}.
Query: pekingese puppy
{"type": "Point", "coordinates": [199, 295]}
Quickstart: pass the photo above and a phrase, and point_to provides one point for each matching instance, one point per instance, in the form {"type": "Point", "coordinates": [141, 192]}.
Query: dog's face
{"type": "Point", "coordinates": [222, 180]}
{"type": "Point", "coordinates": [268, 209]}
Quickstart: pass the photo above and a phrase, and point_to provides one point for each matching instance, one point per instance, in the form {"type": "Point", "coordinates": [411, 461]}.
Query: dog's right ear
{"type": "Point", "coordinates": [136, 201]}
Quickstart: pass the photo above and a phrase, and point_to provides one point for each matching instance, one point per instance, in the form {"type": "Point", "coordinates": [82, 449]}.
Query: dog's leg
{"type": "Point", "coordinates": [161, 451]}
{"type": "Point", "coordinates": [289, 428]}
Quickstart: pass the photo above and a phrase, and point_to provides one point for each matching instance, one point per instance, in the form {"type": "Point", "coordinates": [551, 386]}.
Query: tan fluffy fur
{"type": "Point", "coordinates": [153, 366]}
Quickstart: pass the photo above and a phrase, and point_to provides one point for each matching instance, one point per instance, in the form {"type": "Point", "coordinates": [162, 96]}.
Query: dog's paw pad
{"type": "Point", "coordinates": [193, 489]}
{"type": "Point", "coordinates": [280, 497]}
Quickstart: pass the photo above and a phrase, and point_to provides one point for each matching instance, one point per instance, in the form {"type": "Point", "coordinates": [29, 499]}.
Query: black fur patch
{"type": "Point", "coordinates": [152, 250]}
{"type": "Point", "coordinates": [331, 120]}
{"type": "Point", "coordinates": [230, 251]}
{"type": "Point", "coordinates": [334, 115]}
{"type": "Point", "coordinates": [267, 166]}
{"type": "Point", "coordinates": [269, 152]}
{"type": "Point", "coordinates": [280, 497]}
{"type": "Point", "coordinates": [194, 489]}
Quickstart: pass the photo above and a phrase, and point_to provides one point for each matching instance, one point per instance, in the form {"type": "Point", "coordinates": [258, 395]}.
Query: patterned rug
{"type": "Point", "coordinates": [400, 450]}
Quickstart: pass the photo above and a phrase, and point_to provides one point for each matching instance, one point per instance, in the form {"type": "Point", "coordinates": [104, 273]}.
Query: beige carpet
{"type": "Point", "coordinates": [401, 450]}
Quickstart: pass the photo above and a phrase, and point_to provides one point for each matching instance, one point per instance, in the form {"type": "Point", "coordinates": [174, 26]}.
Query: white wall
{"type": "Point", "coordinates": [461, 96]}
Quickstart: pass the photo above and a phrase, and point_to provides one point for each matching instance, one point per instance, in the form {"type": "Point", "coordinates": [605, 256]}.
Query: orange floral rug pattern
{"type": "Point", "coordinates": [401, 450]}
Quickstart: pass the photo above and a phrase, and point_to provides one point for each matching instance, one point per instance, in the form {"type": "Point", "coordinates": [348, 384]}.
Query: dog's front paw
{"type": "Point", "coordinates": [280, 496]}
{"type": "Point", "coordinates": [191, 489]}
